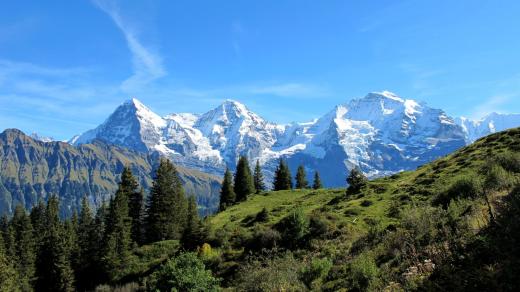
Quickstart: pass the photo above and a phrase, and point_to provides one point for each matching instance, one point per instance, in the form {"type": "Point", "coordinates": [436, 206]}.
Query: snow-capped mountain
{"type": "Point", "coordinates": [491, 123]}
{"type": "Point", "coordinates": [380, 133]}
{"type": "Point", "coordinates": [38, 137]}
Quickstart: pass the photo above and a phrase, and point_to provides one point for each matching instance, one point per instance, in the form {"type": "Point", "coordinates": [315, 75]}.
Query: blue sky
{"type": "Point", "coordinates": [65, 65]}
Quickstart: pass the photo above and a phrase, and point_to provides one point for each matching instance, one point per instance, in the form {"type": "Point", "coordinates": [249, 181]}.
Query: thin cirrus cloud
{"type": "Point", "coordinates": [147, 65]}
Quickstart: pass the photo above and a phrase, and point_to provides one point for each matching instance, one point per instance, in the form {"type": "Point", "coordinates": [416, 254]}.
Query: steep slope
{"type": "Point", "coordinates": [490, 124]}
{"type": "Point", "coordinates": [391, 234]}
{"type": "Point", "coordinates": [33, 170]}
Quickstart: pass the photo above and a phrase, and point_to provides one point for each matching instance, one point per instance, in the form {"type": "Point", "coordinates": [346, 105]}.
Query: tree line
{"type": "Point", "coordinates": [39, 251]}
{"type": "Point", "coordinates": [236, 188]}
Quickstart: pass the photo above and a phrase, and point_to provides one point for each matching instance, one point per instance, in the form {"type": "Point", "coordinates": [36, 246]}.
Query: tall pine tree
{"type": "Point", "coordinates": [317, 181]}
{"type": "Point", "coordinates": [117, 241]}
{"type": "Point", "coordinates": [25, 247]}
{"type": "Point", "coordinates": [244, 184]}
{"type": "Point", "coordinates": [227, 192]}
{"type": "Point", "coordinates": [301, 178]}
{"type": "Point", "coordinates": [258, 178]}
{"type": "Point", "coordinates": [282, 177]}
{"type": "Point", "coordinates": [192, 235]}
{"type": "Point", "coordinates": [166, 213]}
{"type": "Point", "coordinates": [53, 268]}
{"type": "Point", "coordinates": [8, 276]}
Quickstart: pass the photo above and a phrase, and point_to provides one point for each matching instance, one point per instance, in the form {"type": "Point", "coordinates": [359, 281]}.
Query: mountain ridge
{"type": "Point", "coordinates": [380, 133]}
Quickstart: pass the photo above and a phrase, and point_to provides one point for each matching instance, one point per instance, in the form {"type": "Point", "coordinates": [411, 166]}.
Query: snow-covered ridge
{"type": "Point", "coordinates": [381, 133]}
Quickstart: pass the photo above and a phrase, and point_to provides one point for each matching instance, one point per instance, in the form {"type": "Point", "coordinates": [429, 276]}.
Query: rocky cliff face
{"type": "Point", "coordinates": [32, 170]}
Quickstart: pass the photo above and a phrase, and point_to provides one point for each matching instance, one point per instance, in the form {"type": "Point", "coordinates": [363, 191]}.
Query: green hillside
{"type": "Point", "coordinates": [359, 228]}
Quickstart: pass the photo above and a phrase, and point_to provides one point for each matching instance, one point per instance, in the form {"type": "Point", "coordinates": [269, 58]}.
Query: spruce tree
{"type": "Point", "coordinates": [192, 235]}
{"type": "Point", "coordinates": [243, 184]}
{"type": "Point", "coordinates": [301, 178]}
{"type": "Point", "coordinates": [137, 213]}
{"type": "Point", "coordinates": [258, 178]}
{"type": "Point", "coordinates": [8, 234]}
{"type": "Point", "coordinates": [25, 247]}
{"type": "Point", "coordinates": [227, 193]}
{"type": "Point", "coordinates": [86, 256]}
{"type": "Point", "coordinates": [317, 181]}
{"type": "Point", "coordinates": [38, 222]}
{"type": "Point", "coordinates": [282, 177]}
{"type": "Point", "coordinates": [117, 241]}
{"type": "Point", "coordinates": [8, 276]}
{"type": "Point", "coordinates": [166, 213]}
{"type": "Point", "coordinates": [53, 268]}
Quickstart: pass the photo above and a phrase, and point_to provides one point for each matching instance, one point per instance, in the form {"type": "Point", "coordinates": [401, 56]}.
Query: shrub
{"type": "Point", "coordinates": [497, 178]}
{"type": "Point", "coordinates": [294, 228]}
{"type": "Point", "coordinates": [270, 273]}
{"type": "Point", "coordinates": [183, 273]}
{"type": "Point", "coordinates": [356, 180]}
{"type": "Point", "coordinates": [314, 272]}
{"type": "Point", "coordinates": [262, 216]}
{"type": "Point", "coordinates": [464, 187]}
{"type": "Point", "coordinates": [318, 226]}
{"type": "Point", "coordinates": [366, 203]}
{"type": "Point", "coordinates": [264, 238]}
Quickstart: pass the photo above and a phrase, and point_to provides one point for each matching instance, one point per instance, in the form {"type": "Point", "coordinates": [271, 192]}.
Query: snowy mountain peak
{"type": "Point", "coordinates": [384, 95]}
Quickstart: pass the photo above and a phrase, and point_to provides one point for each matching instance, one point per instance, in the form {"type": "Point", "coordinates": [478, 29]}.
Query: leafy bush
{"type": "Point", "coordinates": [318, 226]}
{"type": "Point", "coordinates": [270, 273]}
{"type": "Point", "coordinates": [262, 216]}
{"type": "Point", "coordinates": [294, 228]}
{"type": "Point", "coordinates": [314, 272]}
{"type": "Point", "coordinates": [464, 187]}
{"type": "Point", "coordinates": [366, 203]}
{"type": "Point", "coordinates": [264, 238]}
{"type": "Point", "coordinates": [509, 161]}
{"type": "Point", "coordinates": [497, 178]}
{"type": "Point", "coordinates": [185, 272]}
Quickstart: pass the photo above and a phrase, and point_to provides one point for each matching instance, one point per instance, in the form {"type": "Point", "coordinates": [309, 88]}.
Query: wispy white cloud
{"type": "Point", "coordinates": [146, 63]}
{"type": "Point", "coordinates": [493, 104]}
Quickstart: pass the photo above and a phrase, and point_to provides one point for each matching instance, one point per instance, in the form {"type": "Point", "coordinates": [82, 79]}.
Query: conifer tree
{"type": "Point", "coordinates": [117, 241]}
{"type": "Point", "coordinates": [38, 222]}
{"type": "Point", "coordinates": [8, 276]}
{"type": "Point", "coordinates": [258, 178]}
{"type": "Point", "coordinates": [317, 181]}
{"type": "Point", "coordinates": [9, 238]}
{"type": "Point", "coordinates": [192, 235]}
{"type": "Point", "coordinates": [24, 247]}
{"type": "Point", "coordinates": [137, 212]}
{"type": "Point", "coordinates": [86, 254]}
{"type": "Point", "coordinates": [282, 177]}
{"type": "Point", "coordinates": [53, 269]}
{"type": "Point", "coordinates": [166, 214]}
{"type": "Point", "coordinates": [227, 193]}
{"type": "Point", "coordinates": [243, 184]}
{"type": "Point", "coordinates": [301, 178]}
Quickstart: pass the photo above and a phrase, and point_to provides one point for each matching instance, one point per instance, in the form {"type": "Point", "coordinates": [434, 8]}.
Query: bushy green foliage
{"type": "Point", "coordinates": [468, 186]}
{"type": "Point", "coordinates": [356, 180]}
{"type": "Point", "coordinates": [9, 279]}
{"type": "Point", "coordinates": [264, 238]}
{"type": "Point", "coordinates": [314, 272]}
{"type": "Point", "coordinates": [294, 228]}
{"type": "Point", "coordinates": [185, 272]}
{"type": "Point", "coordinates": [272, 272]}
{"type": "Point", "coordinates": [262, 216]}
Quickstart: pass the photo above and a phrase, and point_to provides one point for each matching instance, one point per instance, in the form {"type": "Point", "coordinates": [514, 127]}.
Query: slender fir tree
{"type": "Point", "coordinates": [244, 184]}
{"type": "Point", "coordinates": [317, 181]}
{"type": "Point", "coordinates": [167, 205]}
{"type": "Point", "coordinates": [356, 180]}
{"type": "Point", "coordinates": [258, 178]}
{"type": "Point", "coordinates": [53, 268]}
{"type": "Point", "coordinates": [8, 276]}
{"type": "Point", "coordinates": [24, 247]}
{"type": "Point", "coordinates": [117, 241]}
{"type": "Point", "coordinates": [227, 193]}
{"type": "Point", "coordinates": [301, 178]}
{"type": "Point", "coordinates": [86, 258]}
{"type": "Point", "coordinates": [192, 235]}
{"type": "Point", "coordinates": [282, 177]}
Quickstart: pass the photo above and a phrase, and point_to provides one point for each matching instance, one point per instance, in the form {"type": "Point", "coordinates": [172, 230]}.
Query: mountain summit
{"type": "Point", "coordinates": [380, 133]}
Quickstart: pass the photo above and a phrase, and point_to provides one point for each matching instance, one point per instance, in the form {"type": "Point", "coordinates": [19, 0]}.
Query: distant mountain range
{"type": "Point", "coordinates": [32, 170]}
{"type": "Point", "coordinates": [381, 134]}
